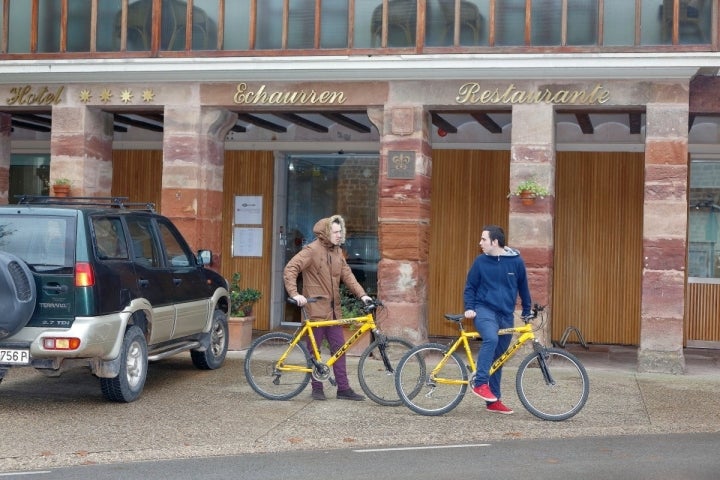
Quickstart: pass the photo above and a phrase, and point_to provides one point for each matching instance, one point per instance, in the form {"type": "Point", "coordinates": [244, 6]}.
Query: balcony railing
{"type": "Point", "coordinates": [192, 28]}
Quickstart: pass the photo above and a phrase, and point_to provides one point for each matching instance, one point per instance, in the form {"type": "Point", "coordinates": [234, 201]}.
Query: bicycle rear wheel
{"type": "Point", "coordinates": [377, 378]}
{"type": "Point", "coordinates": [423, 394]}
{"type": "Point", "coordinates": [552, 384]}
{"type": "Point", "coordinates": [261, 369]}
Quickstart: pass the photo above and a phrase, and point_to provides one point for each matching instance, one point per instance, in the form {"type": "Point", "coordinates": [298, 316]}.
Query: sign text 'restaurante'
{"type": "Point", "coordinates": [472, 93]}
{"type": "Point", "coordinates": [262, 96]}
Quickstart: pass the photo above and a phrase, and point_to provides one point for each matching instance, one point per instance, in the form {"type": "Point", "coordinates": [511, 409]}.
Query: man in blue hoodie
{"type": "Point", "coordinates": [493, 283]}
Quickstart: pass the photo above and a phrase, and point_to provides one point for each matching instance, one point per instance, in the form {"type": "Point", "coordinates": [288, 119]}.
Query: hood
{"type": "Point", "coordinates": [322, 229]}
{"type": "Point", "coordinates": [507, 252]}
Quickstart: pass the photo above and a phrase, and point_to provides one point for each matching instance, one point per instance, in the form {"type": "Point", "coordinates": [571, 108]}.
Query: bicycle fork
{"type": "Point", "coordinates": [542, 357]}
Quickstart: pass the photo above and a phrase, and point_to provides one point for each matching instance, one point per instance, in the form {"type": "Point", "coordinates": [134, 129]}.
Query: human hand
{"type": "Point", "coordinates": [470, 313]}
{"type": "Point", "coordinates": [300, 300]}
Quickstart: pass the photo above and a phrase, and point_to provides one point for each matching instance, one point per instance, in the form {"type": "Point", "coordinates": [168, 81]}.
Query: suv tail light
{"type": "Point", "coordinates": [61, 343]}
{"type": "Point", "coordinates": [84, 275]}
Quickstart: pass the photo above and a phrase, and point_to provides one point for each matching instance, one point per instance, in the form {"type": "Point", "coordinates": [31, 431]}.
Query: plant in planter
{"type": "Point", "coordinates": [530, 189]}
{"type": "Point", "coordinates": [242, 300]}
{"type": "Point", "coordinates": [61, 187]}
{"type": "Point", "coordinates": [240, 323]}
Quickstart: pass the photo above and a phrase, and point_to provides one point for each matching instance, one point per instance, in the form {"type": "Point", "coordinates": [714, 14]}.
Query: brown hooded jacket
{"type": "Point", "coordinates": [323, 267]}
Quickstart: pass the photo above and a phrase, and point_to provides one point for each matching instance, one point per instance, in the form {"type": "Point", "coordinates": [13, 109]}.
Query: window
{"type": "Point", "coordinates": [704, 219]}
{"type": "Point", "coordinates": [176, 255]}
{"type": "Point", "coordinates": [110, 241]}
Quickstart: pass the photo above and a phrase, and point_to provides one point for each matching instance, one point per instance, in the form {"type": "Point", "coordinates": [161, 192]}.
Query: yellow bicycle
{"type": "Point", "coordinates": [278, 365]}
{"type": "Point", "coordinates": [552, 384]}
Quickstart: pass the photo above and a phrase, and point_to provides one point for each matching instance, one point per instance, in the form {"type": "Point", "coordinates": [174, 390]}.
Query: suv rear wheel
{"type": "Point", "coordinates": [213, 356]}
{"type": "Point", "coordinates": [129, 383]}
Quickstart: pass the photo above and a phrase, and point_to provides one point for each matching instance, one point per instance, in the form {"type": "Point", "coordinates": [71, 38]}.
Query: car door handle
{"type": "Point", "coordinates": [143, 283]}
{"type": "Point", "coordinates": [177, 281]}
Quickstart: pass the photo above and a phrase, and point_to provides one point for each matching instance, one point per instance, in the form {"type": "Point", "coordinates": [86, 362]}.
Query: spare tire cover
{"type": "Point", "coordinates": [17, 294]}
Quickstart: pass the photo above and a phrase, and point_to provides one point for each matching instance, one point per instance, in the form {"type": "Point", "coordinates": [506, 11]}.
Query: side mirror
{"type": "Point", "coordinates": [204, 257]}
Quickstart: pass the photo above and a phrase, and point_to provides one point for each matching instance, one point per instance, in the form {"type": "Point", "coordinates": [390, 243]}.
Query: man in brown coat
{"type": "Point", "coordinates": [323, 266]}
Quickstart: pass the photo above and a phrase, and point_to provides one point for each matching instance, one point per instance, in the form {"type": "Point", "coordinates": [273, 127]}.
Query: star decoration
{"type": "Point", "coordinates": [126, 96]}
{"type": "Point", "coordinates": [106, 95]}
{"type": "Point", "coordinates": [148, 95]}
{"type": "Point", "coordinates": [85, 95]}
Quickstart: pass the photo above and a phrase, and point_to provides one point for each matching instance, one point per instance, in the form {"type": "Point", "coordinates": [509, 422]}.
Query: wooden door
{"type": "Point", "coordinates": [137, 174]}
{"type": "Point", "coordinates": [598, 246]}
{"type": "Point", "coordinates": [250, 173]}
{"type": "Point", "coordinates": [469, 190]}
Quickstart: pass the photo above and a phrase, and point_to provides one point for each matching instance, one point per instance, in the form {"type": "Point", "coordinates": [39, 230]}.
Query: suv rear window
{"type": "Point", "coordinates": [44, 242]}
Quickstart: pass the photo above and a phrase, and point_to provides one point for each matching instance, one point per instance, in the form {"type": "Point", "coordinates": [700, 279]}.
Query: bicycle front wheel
{"type": "Point", "coordinates": [263, 372]}
{"type": "Point", "coordinates": [376, 369]}
{"type": "Point", "coordinates": [425, 393]}
{"type": "Point", "coordinates": [552, 384]}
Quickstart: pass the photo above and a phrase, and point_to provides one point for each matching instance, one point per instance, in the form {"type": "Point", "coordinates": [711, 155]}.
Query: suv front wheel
{"type": "Point", "coordinates": [129, 383]}
{"type": "Point", "coordinates": [214, 356]}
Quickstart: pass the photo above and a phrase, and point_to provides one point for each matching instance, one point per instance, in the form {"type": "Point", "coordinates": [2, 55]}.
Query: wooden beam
{"type": "Point", "coordinates": [29, 126]}
{"type": "Point", "coordinates": [440, 122]}
{"type": "Point", "coordinates": [138, 123]}
{"type": "Point", "coordinates": [347, 122]}
{"type": "Point", "coordinates": [488, 123]}
{"type": "Point", "coordinates": [586, 125]}
{"type": "Point", "coordinates": [303, 122]}
{"type": "Point", "coordinates": [635, 123]}
{"type": "Point", "coordinates": [257, 121]}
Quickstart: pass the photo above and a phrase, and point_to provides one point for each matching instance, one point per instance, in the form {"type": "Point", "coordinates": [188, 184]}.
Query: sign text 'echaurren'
{"type": "Point", "coordinates": [262, 96]}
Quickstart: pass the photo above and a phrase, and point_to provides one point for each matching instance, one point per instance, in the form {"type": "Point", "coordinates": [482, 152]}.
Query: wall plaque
{"type": "Point", "coordinates": [401, 164]}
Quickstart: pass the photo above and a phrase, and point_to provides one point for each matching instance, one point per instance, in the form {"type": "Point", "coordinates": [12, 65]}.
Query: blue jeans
{"type": "Point", "coordinates": [487, 323]}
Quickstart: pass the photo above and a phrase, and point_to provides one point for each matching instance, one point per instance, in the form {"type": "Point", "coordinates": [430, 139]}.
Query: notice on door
{"type": "Point", "coordinates": [247, 242]}
{"type": "Point", "coordinates": [248, 210]}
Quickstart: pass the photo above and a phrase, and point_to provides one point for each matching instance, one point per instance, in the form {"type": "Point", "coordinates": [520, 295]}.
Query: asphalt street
{"type": "Point", "coordinates": [185, 413]}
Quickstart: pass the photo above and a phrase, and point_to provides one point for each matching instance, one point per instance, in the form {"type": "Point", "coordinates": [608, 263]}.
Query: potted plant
{"type": "Point", "coordinates": [240, 322]}
{"type": "Point", "coordinates": [61, 187]}
{"type": "Point", "coordinates": [530, 189]}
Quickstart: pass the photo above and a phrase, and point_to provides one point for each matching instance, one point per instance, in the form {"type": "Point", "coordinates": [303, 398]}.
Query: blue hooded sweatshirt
{"type": "Point", "coordinates": [494, 282]}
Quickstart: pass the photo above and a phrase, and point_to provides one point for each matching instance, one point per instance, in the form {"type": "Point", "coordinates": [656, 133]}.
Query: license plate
{"type": "Point", "coordinates": [14, 357]}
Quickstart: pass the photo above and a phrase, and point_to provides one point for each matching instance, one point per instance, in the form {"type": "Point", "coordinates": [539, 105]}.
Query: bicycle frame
{"type": "Point", "coordinates": [525, 332]}
{"type": "Point", "coordinates": [367, 323]}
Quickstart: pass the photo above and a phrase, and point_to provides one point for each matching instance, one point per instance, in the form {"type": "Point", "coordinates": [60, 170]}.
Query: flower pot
{"type": "Point", "coordinates": [240, 332]}
{"type": "Point", "coordinates": [61, 190]}
{"type": "Point", "coordinates": [527, 198]}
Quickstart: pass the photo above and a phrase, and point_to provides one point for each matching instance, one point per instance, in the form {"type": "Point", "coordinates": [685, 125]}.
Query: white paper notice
{"type": "Point", "coordinates": [247, 242]}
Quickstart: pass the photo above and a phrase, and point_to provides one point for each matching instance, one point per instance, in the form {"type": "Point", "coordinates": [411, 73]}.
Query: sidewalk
{"type": "Point", "coordinates": [185, 412]}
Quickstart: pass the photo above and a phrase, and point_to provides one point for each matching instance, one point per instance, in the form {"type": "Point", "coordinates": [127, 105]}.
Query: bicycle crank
{"type": "Point", "coordinates": [321, 372]}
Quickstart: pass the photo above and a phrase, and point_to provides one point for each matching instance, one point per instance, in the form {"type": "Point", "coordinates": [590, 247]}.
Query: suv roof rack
{"type": "Point", "coordinates": [107, 202]}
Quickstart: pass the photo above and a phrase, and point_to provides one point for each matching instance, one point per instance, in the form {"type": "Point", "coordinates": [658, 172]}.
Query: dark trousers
{"type": "Point", "coordinates": [336, 339]}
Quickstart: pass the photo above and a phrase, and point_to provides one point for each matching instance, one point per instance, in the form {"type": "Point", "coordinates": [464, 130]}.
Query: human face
{"type": "Point", "coordinates": [489, 247]}
{"type": "Point", "coordinates": [335, 234]}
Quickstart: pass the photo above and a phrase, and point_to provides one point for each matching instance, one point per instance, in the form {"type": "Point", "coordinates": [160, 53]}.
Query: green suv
{"type": "Point", "coordinates": [104, 284]}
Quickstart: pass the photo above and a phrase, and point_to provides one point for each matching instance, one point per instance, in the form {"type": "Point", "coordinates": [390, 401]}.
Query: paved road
{"type": "Point", "coordinates": [185, 412]}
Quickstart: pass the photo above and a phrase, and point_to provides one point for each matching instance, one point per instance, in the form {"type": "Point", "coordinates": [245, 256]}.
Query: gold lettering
{"type": "Point", "coordinates": [472, 94]}
{"type": "Point", "coordinates": [27, 96]}
{"type": "Point", "coordinates": [281, 97]}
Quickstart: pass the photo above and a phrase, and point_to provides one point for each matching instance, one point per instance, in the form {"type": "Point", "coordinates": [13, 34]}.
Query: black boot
{"type": "Point", "coordinates": [349, 394]}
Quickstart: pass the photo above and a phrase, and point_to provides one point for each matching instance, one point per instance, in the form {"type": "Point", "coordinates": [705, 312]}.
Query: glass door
{"type": "Point", "coordinates": [319, 186]}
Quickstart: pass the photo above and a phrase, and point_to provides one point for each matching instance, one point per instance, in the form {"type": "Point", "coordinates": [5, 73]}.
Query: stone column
{"type": "Point", "coordinates": [532, 155]}
{"type": "Point", "coordinates": [664, 243]}
{"type": "Point", "coordinates": [192, 183]}
{"type": "Point", "coordinates": [404, 217]}
{"type": "Point", "coordinates": [5, 129]}
{"type": "Point", "coordinates": [81, 149]}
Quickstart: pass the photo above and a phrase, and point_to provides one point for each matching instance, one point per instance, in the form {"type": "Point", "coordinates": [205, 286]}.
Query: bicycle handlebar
{"type": "Point", "coordinates": [367, 307]}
